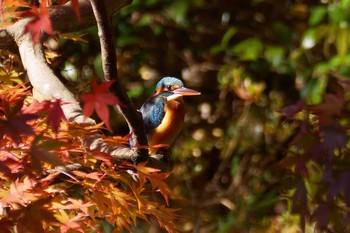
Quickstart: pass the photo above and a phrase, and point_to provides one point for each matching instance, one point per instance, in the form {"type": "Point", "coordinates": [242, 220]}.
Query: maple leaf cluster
{"type": "Point", "coordinates": [318, 158]}
{"type": "Point", "coordinates": [39, 16]}
{"type": "Point", "coordinates": [38, 193]}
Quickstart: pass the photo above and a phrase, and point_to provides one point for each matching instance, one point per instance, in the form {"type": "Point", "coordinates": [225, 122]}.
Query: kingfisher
{"type": "Point", "coordinates": [163, 113]}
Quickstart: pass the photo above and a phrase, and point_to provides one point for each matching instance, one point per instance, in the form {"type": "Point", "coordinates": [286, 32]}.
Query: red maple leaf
{"type": "Point", "coordinates": [13, 121]}
{"type": "Point", "coordinates": [98, 100]}
{"type": "Point", "coordinates": [293, 109]}
{"type": "Point", "coordinates": [55, 114]}
{"type": "Point", "coordinates": [54, 111]}
{"type": "Point", "coordinates": [16, 125]}
{"type": "Point", "coordinates": [39, 23]}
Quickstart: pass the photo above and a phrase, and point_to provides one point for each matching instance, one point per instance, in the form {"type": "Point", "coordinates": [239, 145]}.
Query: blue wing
{"type": "Point", "coordinates": [153, 112]}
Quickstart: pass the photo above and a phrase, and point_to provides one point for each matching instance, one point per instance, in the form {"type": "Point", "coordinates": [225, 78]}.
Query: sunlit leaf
{"type": "Point", "coordinates": [39, 23]}
{"type": "Point", "coordinates": [249, 49]}
{"type": "Point", "coordinates": [73, 37]}
{"type": "Point", "coordinates": [275, 55]}
{"type": "Point", "coordinates": [342, 41]}
{"type": "Point", "coordinates": [98, 100]}
{"type": "Point", "coordinates": [228, 35]}
{"type": "Point", "coordinates": [317, 15]}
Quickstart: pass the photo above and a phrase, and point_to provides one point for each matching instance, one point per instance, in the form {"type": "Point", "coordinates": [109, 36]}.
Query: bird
{"type": "Point", "coordinates": [163, 113]}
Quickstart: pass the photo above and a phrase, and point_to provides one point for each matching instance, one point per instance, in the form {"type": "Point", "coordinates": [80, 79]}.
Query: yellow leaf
{"type": "Point", "coordinates": [73, 37]}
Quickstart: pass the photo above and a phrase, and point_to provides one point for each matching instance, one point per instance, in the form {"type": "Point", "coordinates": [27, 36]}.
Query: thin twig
{"type": "Point", "coordinates": [69, 167]}
{"type": "Point", "coordinates": [109, 61]}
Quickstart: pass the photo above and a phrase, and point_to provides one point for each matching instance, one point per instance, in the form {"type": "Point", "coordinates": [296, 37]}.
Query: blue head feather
{"type": "Point", "coordinates": [153, 109]}
{"type": "Point", "coordinates": [169, 81]}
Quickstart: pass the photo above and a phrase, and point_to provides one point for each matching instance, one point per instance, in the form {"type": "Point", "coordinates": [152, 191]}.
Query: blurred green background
{"type": "Point", "coordinates": [249, 59]}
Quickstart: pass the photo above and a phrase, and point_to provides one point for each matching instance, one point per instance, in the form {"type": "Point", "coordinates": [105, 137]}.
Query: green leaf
{"type": "Point", "coordinates": [145, 20]}
{"type": "Point", "coordinates": [228, 35]}
{"type": "Point", "coordinates": [342, 41]}
{"type": "Point", "coordinates": [275, 55]}
{"type": "Point", "coordinates": [317, 15]}
{"type": "Point", "coordinates": [336, 14]}
{"type": "Point", "coordinates": [178, 10]}
{"type": "Point", "coordinates": [136, 91]}
{"type": "Point", "coordinates": [216, 49]}
{"type": "Point", "coordinates": [322, 68]}
{"type": "Point", "coordinates": [249, 49]}
{"type": "Point", "coordinates": [314, 89]}
{"type": "Point", "coordinates": [345, 4]}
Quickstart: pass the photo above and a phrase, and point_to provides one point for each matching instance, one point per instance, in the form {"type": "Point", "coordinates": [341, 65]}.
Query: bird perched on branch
{"type": "Point", "coordinates": [163, 113]}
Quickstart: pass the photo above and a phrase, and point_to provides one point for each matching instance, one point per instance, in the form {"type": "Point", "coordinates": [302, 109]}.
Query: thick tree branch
{"type": "Point", "coordinates": [48, 86]}
{"type": "Point", "coordinates": [109, 61]}
{"type": "Point", "coordinates": [42, 78]}
{"type": "Point", "coordinates": [64, 19]}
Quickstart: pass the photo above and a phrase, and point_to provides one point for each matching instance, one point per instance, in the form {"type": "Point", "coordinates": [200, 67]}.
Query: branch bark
{"type": "Point", "coordinates": [69, 22]}
{"type": "Point", "coordinates": [42, 78]}
{"type": "Point", "coordinates": [109, 61]}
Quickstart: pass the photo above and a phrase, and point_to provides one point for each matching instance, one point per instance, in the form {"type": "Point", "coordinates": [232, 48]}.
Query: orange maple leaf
{"type": "Point", "coordinates": [73, 224]}
{"type": "Point", "coordinates": [39, 23]}
{"type": "Point", "coordinates": [41, 152]}
{"type": "Point", "coordinates": [75, 204]}
{"type": "Point", "coordinates": [92, 175]}
{"type": "Point", "coordinates": [54, 111]}
{"type": "Point", "coordinates": [102, 156]}
{"type": "Point", "coordinates": [9, 163]}
{"type": "Point", "coordinates": [156, 178]}
{"type": "Point", "coordinates": [98, 100]}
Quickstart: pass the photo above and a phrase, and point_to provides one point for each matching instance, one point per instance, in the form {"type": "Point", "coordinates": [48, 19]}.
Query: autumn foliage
{"type": "Point", "coordinates": [50, 182]}
{"type": "Point", "coordinates": [319, 160]}
{"type": "Point", "coordinates": [39, 194]}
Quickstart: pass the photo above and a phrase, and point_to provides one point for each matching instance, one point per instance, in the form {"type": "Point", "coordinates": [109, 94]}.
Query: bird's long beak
{"type": "Point", "coordinates": [183, 91]}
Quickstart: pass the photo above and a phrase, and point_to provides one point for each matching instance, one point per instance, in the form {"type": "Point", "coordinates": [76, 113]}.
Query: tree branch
{"type": "Point", "coordinates": [109, 61]}
{"type": "Point", "coordinates": [42, 78]}
{"type": "Point", "coordinates": [66, 12]}
{"type": "Point", "coordinates": [48, 86]}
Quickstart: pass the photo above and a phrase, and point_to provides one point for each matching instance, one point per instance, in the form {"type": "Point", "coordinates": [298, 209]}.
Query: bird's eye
{"type": "Point", "coordinates": [169, 87]}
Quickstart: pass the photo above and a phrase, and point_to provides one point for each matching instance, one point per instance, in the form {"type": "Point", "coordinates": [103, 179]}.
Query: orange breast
{"type": "Point", "coordinates": [170, 127]}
